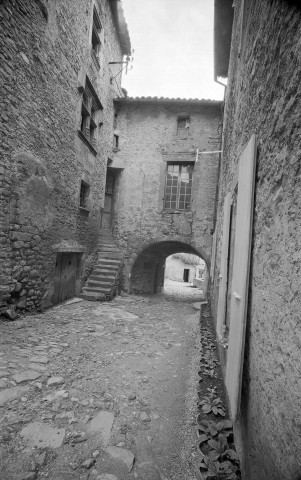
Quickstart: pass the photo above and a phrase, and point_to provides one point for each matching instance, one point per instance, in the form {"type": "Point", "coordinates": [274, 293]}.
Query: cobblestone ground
{"type": "Point", "coordinates": [102, 391]}
{"type": "Point", "coordinates": [182, 292]}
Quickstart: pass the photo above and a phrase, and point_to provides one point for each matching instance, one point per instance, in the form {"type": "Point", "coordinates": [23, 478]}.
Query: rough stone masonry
{"type": "Point", "coordinates": [47, 61]}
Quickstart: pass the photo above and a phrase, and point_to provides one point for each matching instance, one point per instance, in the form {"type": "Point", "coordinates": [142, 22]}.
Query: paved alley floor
{"type": "Point", "coordinates": [102, 391]}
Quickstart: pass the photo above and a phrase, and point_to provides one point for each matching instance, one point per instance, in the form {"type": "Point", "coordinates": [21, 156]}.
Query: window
{"type": "Point", "coordinates": [110, 183]}
{"type": "Point", "coordinates": [97, 32]}
{"type": "Point", "coordinates": [183, 126]}
{"type": "Point", "coordinates": [178, 186]}
{"type": "Point", "coordinates": [116, 142]}
{"type": "Point", "coordinates": [84, 194]}
{"type": "Point", "coordinates": [90, 110]}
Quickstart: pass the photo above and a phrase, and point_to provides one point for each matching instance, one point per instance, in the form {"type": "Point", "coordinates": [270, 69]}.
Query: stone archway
{"type": "Point", "coordinates": [146, 274]}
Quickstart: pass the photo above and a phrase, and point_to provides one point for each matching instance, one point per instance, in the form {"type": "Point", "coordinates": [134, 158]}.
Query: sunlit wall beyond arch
{"type": "Point", "coordinates": [147, 272]}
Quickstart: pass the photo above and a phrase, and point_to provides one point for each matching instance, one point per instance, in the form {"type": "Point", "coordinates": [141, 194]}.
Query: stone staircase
{"type": "Point", "coordinates": [101, 281]}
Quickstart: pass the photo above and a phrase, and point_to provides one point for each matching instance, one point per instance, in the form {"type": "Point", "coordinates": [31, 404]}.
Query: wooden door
{"type": "Point", "coordinates": [240, 279]}
{"type": "Point", "coordinates": [65, 276]}
{"type": "Point", "coordinates": [107, 213]}
{"type": "Point", "coordinates": [222, 294]}
{"type": "Point", "coordinates": [186, 275]}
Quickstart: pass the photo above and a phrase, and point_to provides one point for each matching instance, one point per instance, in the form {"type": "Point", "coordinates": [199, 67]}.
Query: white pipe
{"type": "Point", "coordinates": [205, 153]}
{"type": "Point", "coordinates": [213, 151]}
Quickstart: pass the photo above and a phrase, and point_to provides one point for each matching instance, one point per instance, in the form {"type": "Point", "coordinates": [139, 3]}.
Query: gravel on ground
{"type": "Point", "coordinates": [103, 391]}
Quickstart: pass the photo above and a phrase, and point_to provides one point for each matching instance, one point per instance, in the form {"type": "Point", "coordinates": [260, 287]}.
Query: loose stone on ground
{"type": "Point", "coordinates": [123, 455]}
{"type": "Point", "coordinates": [95, 381]}
{"type": "Point", "coordinates": [102, 425]}
{"type": "Point", "coordinates": [42, 435]}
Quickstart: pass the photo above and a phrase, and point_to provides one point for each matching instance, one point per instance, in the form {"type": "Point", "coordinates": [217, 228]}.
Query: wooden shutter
{"type": "Point", "coordinates": [240, 280]}
{"type": "Point", "coordinates": [213, 255]}
{"type": "Point", "coordinates": [197, 172]}
{"type": "Point", "coordinates": [163, 167]}
{"type": "Point", "coordinates": [222, 294]}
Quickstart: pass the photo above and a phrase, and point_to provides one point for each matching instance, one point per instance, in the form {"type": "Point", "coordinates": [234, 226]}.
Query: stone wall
{"type": "Point", "coordinates": [263, 97]}
{"type": "Point", "coordinates": [174, 270]}
{"type": "Point", "coordinates": [148, 139]}
{"type": "Point", "coordinates": [46, 51]}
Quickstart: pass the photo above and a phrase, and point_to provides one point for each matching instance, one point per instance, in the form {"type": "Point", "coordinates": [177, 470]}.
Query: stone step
{"type": "Point", "coordinates": [95, 290]}
{"type": "Point", "coordinates": [99, 269]}
{"type": "Point", "coordinates": [107, 266]}
{"type": "Point", "coordinates": [92, 296]}
{"type": "Point", "coordinates": [98, 284]}
{"type": "Point", "coordinates": [108, 271]}
{"type": "Point", "coordinates": [94, 277]}
{"type": "Point", "coordinates": [106, 240]}
{"type": "Point", "coordinates": [107, 244]}
{"type": "Point", "coordinates": [111, 272]}
{"type": "Point", "coordinates": [102, 277]}
{"type": "Point", "coordinates": [109, 250]}
{"type": "Point", "coordinates": [109, 255]}
{"type": "Point", "coordinates": [109, 261]}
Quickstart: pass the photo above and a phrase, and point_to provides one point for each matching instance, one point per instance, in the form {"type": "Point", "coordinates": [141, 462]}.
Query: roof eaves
{"type": "Point", "coordinates": [121, 26]}
{"type": "Point", "coordinates": [142, 99]}
{"type": "Point", "coordinates": [223, 20]}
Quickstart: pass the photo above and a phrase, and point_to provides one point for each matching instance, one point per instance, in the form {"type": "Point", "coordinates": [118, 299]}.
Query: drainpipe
{"type": "Point", "coordinates": [142, 201]}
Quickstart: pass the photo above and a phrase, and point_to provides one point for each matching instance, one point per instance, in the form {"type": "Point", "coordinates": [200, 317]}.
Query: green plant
{"type": "Point", "coordinates": [221, 462]}
{"type": "Point", "coordinates": [212, 405]}
{"type": "Point", "coordinates": [211, 468]}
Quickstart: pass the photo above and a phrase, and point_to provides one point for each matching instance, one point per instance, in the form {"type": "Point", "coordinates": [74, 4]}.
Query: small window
{"type": "Point", "coordinates": [116, 141]}
{"type": "Point", "coordinates": [84, 194]}
{"type": "Point", "coordinates": [178, 186]}
{"type": "Point", "coordinates": [183, 126]}
{"type": "Point", "coordinates": [115, 121]}
{"type": "Point", "coordinates": [110, 181]}
{"type": "Point", "coordinates": [96, 36]}
{"type": "Point", "coordinates": [90, 109]}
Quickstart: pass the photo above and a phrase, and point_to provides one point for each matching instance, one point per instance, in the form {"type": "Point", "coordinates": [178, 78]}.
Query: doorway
{"type": "Point", "coordinates": [65, 276]}
{"type": "Point", "coordinates": [107, 214]}
{"type": "Point", "coordinates": [186, 275]}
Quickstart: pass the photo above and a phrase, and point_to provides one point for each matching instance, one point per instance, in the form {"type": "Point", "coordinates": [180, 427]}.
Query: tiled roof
{"type": "Point", "coordinates": [121, 26]}
{"type": "Point", "coordinates": [169, 100]}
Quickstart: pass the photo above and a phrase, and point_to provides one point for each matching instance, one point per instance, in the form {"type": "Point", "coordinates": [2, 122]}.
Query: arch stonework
{"type": "Point", "coordinates": [145, 264]}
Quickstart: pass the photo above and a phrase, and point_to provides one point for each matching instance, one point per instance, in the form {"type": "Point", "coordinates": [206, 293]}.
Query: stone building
{"type": "Point", "coordinates": [181, 267]}
{"type": "Point", "coordinates": [57, 91]}
{"type": "Point", "coordinates": [256, 285]}
{"type": "Point", "coordinates": [164, 194]}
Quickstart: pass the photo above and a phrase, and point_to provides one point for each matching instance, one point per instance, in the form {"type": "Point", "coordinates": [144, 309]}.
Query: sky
{"type": "Point", "coordinates": [173, 43]}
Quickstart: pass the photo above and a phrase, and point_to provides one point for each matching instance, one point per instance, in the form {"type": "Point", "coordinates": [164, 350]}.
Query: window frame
{"type": "Point", "coordinates": [178, 186]}
{"type": "Point", "coordinates": [91, 113]}
{"type": "Point", "coordinates": [97, 34]}
{"type": "Point", "coordinates": [115, 142]}
{"type": "Point", "coordinates": [84, 199]}
{"type": "Point", "coordinates": [183, 131]}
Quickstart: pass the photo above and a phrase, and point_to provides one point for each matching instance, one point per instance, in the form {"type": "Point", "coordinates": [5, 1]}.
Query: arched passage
{"type": "Point", "coordinates": [147, 270]}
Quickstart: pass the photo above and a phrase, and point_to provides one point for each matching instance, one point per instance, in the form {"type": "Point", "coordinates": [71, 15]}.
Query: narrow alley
{"type": "Point", "coordinates": [150, 240]}
{"type": "Point", "coordinates": [100, 390]}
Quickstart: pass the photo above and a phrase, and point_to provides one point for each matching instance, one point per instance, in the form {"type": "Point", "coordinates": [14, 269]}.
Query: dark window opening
{"type": "Point", "coordinates": [116, 141]}
{"type": "Point", "coordinates": [186, 275]}
{"type": "Point", "coordinates": [91, 107]}
{"type": "Point", "coordinates": [110, 183]}
{"type": "Point", "coordinates": [183, 125]}
{"type": "Point", "coordinates": [178, 186]}
{"type": "Point", "coordinates": [96, 31]}
{"type": "Point", "coordinates": [84, 194]}
{"type": "Point", "coordinates": [115, 121]}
